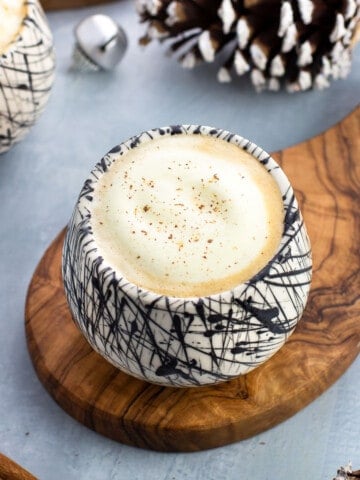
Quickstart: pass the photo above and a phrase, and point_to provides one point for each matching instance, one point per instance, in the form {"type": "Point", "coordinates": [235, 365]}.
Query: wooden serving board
{"type": "Point", "coordinates": [325, 172]}
{"type": "Point", "coordinates": [63, 4]}
{"type": "Point", "coordinates": [9, 470]}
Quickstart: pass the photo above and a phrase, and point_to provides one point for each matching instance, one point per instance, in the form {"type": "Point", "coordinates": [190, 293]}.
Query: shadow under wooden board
{"type": "Point", "coordinates": [325, 172]}
{"type": "Point", "coordinates": [64, 4]}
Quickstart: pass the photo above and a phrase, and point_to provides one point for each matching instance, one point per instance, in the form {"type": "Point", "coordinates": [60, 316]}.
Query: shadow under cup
{"type": "Point", "coordinates": [186, 342]}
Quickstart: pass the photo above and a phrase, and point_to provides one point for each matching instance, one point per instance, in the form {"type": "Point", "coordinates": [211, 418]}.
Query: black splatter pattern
{"type": "Point", "coordinates": [26, 76]}
{"type": "Point", "coordinates": [186, 341]}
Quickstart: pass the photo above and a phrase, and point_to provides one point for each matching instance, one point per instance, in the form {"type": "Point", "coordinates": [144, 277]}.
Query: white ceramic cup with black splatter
{"type": "Point", "coordinates": [27, 66]}
{"type": "Point", "coordinates": [178, 340]}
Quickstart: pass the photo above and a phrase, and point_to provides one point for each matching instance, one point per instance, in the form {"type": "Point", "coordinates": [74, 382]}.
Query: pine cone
{"type": "Point", "coordinates": [297, 43]}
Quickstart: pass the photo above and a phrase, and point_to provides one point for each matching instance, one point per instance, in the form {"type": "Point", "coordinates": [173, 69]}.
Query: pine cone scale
{"type": "Point", "coordinates": [299, 44]}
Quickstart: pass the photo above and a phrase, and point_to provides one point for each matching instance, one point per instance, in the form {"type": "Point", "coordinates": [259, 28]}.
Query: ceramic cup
{"type": "Point", "coordinates": [186, 342]}
{"type": "Point", "coordinates": [27, 69]}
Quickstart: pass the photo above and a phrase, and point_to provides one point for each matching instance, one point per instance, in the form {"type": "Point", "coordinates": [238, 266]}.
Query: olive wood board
{"type": "Point", "coordinates": [325, 172]}
{"type": "Point", "coordinates": [9, 470]}
{"type": "Point", "coordinates": [64, 4]}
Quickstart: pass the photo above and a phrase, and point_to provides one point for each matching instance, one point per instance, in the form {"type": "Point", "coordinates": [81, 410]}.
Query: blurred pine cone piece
{"type": "Point", "coordinates": [300, 44]}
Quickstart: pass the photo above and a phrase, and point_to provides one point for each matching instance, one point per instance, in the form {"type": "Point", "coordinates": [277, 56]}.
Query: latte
{"type": "Point", "coordinates": [12, 13]}
{"type": "Point", "coordinates": [187, 215]}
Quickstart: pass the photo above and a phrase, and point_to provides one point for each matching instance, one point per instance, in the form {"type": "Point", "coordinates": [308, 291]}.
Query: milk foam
{"type": "Point", "coordinates": [187, 215]}
{"type": "Point", "coordinates": [12, 13]}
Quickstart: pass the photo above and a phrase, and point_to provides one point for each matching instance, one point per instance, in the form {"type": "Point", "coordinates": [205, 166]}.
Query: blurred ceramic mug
{"type": "Point", "coordinates": [27, 67]}
{"type": "Point", "coordinates": [186, 261]}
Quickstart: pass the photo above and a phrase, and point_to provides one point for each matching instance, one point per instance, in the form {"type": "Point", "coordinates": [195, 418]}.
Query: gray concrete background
{"type": "Point", "coordinates": [39, 182]}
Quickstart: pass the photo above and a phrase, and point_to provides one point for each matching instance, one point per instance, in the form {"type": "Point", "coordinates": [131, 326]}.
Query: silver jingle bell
{"type": "Point", "coordinates": [100, 43]}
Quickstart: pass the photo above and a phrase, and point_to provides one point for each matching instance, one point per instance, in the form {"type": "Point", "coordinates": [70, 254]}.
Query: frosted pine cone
{"type": "Point", "coordinates": [347, 473]}
{"type": "Point", "coordinates": [297, 43]}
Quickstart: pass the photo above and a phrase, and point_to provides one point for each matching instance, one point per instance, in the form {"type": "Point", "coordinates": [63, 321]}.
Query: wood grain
{"type": "Point", "coordinates": [9, 470]}
{"type": "Point", "coordinates": [325, 172]}
{"type": "Point", "coordinates": [64, 4]}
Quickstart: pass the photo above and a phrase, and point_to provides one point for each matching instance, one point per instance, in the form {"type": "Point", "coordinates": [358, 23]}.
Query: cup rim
{"type": "Point", "coordinates": [149, 296]}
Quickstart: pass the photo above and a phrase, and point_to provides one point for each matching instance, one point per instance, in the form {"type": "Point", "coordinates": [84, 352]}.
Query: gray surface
{"type": "Point", "coordinates": [39, 182]}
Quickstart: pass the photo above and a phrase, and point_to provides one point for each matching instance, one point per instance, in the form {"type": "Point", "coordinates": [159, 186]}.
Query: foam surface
{"type": "Point", "coordinates": [12, 13]}
{"type": "Point", "coordinates": [187, 215]}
